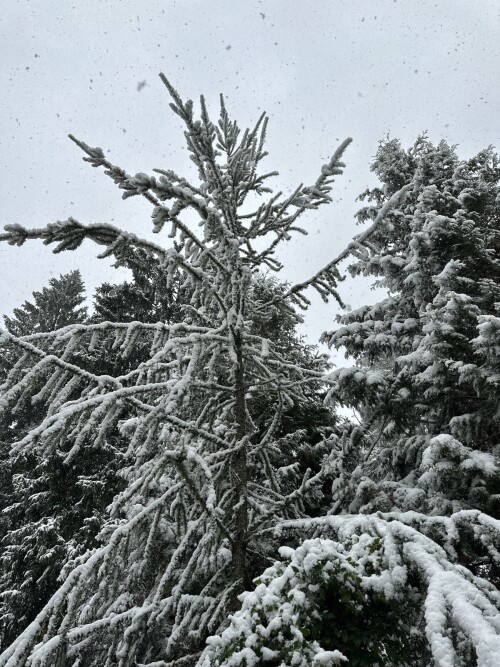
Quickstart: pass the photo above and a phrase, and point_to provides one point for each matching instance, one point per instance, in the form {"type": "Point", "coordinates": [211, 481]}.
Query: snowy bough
{"type": "Point", "coordinates": [203, 477]}
{"type": "Point", "coordinates": [369, 590]}
{"type": "Point", "coordinates": [211, 494]}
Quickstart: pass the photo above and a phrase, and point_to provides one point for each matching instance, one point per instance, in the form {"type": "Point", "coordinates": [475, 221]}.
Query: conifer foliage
{"type": "Point", "coordinates": [383, 550]}
{"type": "Point", "coordinates": [54, 307]}
{"type": "Point", "coordinates": [426, 378]}
{"type": "Point", "coordinates": [204, 475]}
{"type": "Point", "coordinates": [49, 511]}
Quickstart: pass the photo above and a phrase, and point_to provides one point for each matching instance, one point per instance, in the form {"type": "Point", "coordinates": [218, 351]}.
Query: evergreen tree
{"type": "Point", "coordinates": [49, 511]}
{"type": "Point", "coordinates": [203, 476]}
{"type": "Point", "coordinates": [147, 298]}
{"type": "Point", "coordinates": [53, 308]}
{"type": "Point", "coordinates": [211, 492]}
{"type": "Point", "coordinates": [421, 378]}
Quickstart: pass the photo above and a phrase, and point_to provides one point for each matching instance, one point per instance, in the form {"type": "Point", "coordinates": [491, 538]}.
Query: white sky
{"type": "Point", "coordinates": [323, 70]}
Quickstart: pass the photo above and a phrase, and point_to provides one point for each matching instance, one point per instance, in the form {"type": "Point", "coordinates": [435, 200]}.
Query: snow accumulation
{"type": "Point", "coordinates": [383, 551]}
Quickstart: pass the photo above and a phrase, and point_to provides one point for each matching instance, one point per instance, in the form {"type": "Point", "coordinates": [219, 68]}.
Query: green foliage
{"type": "Point", "coordinates": [425, 383]}
{"type": "Point", "coordinates": [363, 625]}
{"type": "Point", "coordinates": [316, 607]}
{"type": "Point", "coordinates": [53, 308]}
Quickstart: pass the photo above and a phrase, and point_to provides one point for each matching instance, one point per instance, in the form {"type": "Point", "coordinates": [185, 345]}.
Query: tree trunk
{"type": "Point", "coordinates": [239, 472]}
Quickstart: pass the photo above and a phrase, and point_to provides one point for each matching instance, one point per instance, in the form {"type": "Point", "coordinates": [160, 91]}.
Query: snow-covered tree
{"type": "Point", "coordinates": [369, 589]}
{"type": "Point", "coordinates": [49, 511]}
{"type": "Point", "coordinates": [204, 474]}
{"type": "Point", "coordinates": [58, 304]}
{"type": "Point", "coordinates": [423, 384]}
{"type": "Point", "coordinates": [213, 484]}
{"type": "Point", "coordinates": [54, 307]}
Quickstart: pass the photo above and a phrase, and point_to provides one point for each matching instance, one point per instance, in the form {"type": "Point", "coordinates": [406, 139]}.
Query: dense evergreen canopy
{"type": "Point", "coordinates": [425, 373]}
{"type": "Point", "coordinates": [214, 493]}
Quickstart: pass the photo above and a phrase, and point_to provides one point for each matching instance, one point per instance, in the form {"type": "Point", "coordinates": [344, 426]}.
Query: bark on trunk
{"type": "Point", "coordinates": [240, 479]}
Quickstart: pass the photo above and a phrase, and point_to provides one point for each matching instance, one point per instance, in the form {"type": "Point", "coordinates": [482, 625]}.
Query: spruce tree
{"type": "Point", "coordinates": [53, 308]}
{"type": "Point", "coordinates": [50, 512]}
{"type": "Point", "coordinates": [421, 383]}
{"type": "Point", "coordinates": [203, 477]}
{"type": "Point", "coordinates": [146, 298]}
{"type": "Point", "coordinates": [212, 496]}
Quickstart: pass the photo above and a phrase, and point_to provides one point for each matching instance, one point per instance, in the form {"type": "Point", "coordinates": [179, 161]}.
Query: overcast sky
{"type": "Point", "coordinates": [323, 70]}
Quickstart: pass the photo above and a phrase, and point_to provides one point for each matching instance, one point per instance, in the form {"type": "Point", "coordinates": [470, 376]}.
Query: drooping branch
{"type": "Point", "coordinates": [141, 184]}
{"type": "Point", "coordinates": [119, 392]}
{"type": "Point", "coordinates": [6, 337]}
{"type": "Point", "coordinates": [69, 235]}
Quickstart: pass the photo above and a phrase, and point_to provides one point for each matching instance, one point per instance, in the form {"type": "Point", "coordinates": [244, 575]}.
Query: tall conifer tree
{"type": "Point", "coordinates": [53, 308]}
{"type": "Point", "coordinates": [203, 476]}
{"type": "Point", "coordinates": [209, 495]}
{"type": "Point", "coordinates": [422, 376]}
{"type": "Point", "coordinates": [50, 512]}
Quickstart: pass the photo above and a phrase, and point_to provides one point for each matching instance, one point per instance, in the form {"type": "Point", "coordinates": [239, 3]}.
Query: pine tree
{"type": "Point", "coordinates": [203, 477]}
{"type": "Point", "coordinates": [52, 511]}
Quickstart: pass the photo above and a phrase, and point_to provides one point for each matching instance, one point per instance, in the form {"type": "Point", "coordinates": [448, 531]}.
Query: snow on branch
{"type": "Point", "coordinates": [325, 280]}
{"type": "Point", "coordinates": [381, 556]}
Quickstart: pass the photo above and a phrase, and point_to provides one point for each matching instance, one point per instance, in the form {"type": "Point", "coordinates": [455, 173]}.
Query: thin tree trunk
{"type": "Point", "coordinates": [240, 479]}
